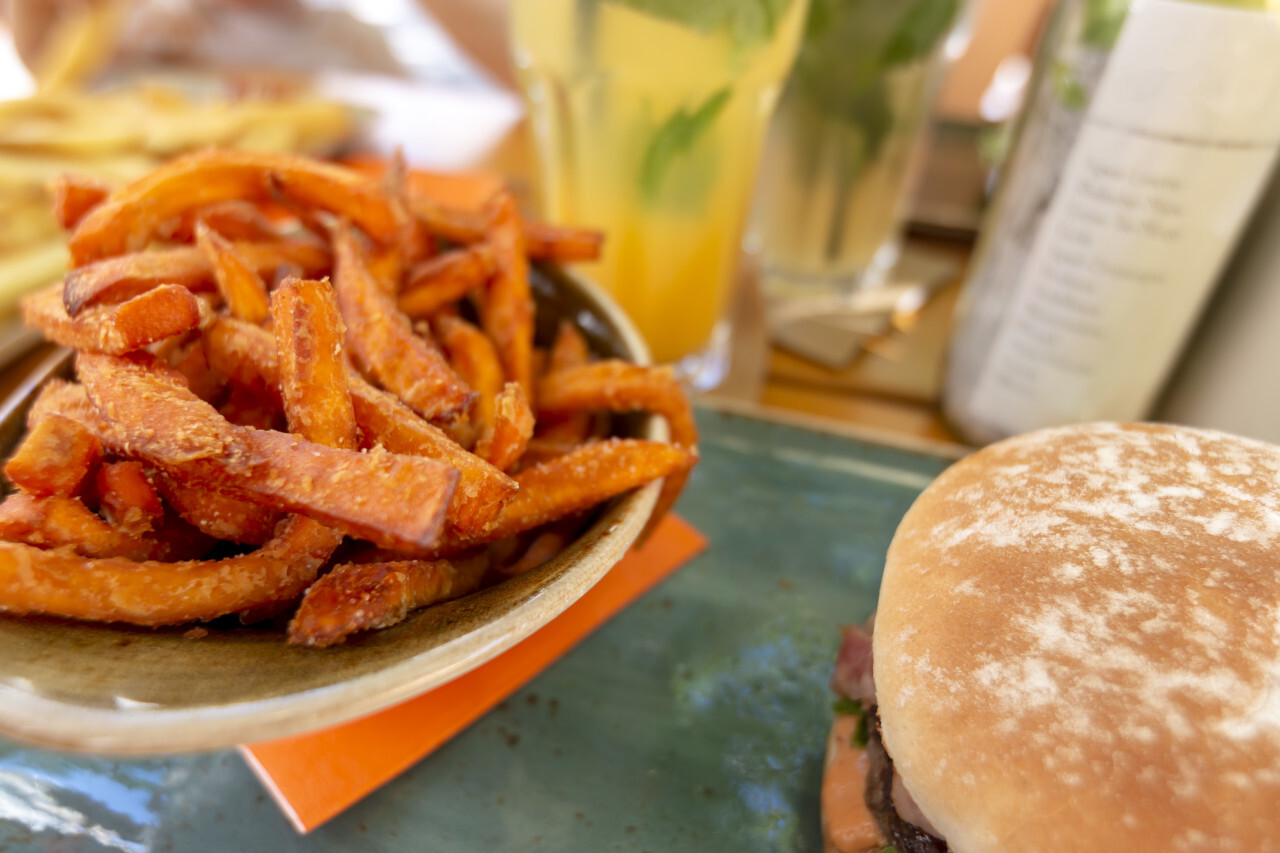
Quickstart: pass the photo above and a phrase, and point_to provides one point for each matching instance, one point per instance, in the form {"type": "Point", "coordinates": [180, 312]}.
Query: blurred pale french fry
{"type": "Point", "coordinates": [23, 227]}
{"type": "Point", "coordinates": [21, 170]}
{"type": "Point", "coordinates": [264, 137]}
{"type": "Point", "coordinates": [19, 201]}
{"type": "Point", "coordinates": [312, 123]}
{"type": "Point", "coordinates": [80, 45]}
{"type": "Point", "coordinates": [117, 136]}
{"type": "Point", "coordinates": [85, 135]}
{"type": "Point", "coordinates": [30, 268]}
{"type": "Point", "coordinates": [169, 133]}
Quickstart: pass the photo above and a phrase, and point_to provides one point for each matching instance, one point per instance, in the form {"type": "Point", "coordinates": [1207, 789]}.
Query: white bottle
{"type": "Point", "coordinates": [1136, 168]}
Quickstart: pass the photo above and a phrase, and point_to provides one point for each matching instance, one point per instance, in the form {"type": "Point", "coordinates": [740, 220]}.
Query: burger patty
{"type": "Point", "coordinates": [905, 837]}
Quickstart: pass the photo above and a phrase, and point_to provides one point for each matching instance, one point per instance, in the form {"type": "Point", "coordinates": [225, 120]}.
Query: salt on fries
{"type": "Point", "coordinates": [260, 426]}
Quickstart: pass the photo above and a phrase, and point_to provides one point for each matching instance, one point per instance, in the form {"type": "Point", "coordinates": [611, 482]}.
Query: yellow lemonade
{"type": "Point", "coordinates": [649, 117]}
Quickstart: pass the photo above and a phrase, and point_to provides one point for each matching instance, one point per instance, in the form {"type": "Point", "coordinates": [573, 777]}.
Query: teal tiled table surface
{"type": "Point", "coordinates": [694, 721]}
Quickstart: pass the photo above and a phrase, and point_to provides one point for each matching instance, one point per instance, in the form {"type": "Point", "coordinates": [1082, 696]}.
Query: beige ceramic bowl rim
{"type": "Point", "coordinates": [143, 731]}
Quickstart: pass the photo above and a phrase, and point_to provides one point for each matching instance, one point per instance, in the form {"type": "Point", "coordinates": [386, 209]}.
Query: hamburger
{"type": "Point", "coordinates": [1077, 647]}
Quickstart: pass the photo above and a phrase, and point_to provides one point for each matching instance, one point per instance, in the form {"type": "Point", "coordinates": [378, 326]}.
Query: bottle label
{"type": "Point", "coordinates": [1175, 148]}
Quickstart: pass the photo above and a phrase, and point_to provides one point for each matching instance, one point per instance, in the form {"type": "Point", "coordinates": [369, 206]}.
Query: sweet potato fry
{"type": "Point", "coordinates": [248, 353]}
{"type": "Point", "coordinates": [545, 242]}
{"type": "Point", "coordinates": [308, 335]}
{"type": "Point", "coordinates": [127, 499]}
{"type": "Point", "coordinates": [585, 477]}
{"type": "Point", "coordinates": [234, 220]}
{"type": "Point", "coordinates": [267, 256]}
{"type": "Point", "coordinates": [563, 245]}
{"type": "Point", "coordinates": [54, 521]}
{"type": "Point", "coordinates": [546, 542]}
{"type": "Point", "coordinates": [572, 428]}
{"type": "Point", "coordinates": [541, 449]}
{"type": "Point", "coordinates": [505, 440]}
{"type": "Point", "coordinates": [364, 596]}
{"type": "Point", "coordinates": [317, 223]}
{"type": "Point", "coordinates": [569, 350]}
{"type": "Point", "coordinates": [116, 589]}
{"type": "Point", "coordinates": [125, 276]}
{"type": "Point", "coordinates": [218, 515]}
{"type": "Point", "coordinates": [74, 196]}
{"type": "Point", "coordinates": [120, 278]}
{"type": "Point", "coordinates": [343, 193]}
{"type": "Point", "coordinates": [245, 353]}
{"type": "Point", "coordinates": [130, 216]}
{"type": "Point", "coordinates": [473, 357]}
{"type": "Point", "coordinates": [383, 344]}
{"type": "Point", "coordinates": [577, 481]}
{"type": "Point", "coordinates": [57, 521]}
{"type": "Point", "coordinates": [246, 407]}
{"type": "Point", "coordinates": [313, 373]}
{"type": "Point", "coordinates": [451, 223]}
{"type": "Point", "coordinates": [60, 397]}
{"type": "Point", "coordinates": [386, 267]}
{"type": "Point", "coordinates": [617, 386]}
{"type": "Point", "coordinates": [445, 279]}
{"type": "Point", "coordinates": [147, 412]}
{"type": "Point", "coordinates": [482, 489]}
{"type": "Point", "coordinates": [168, 310]}
{"type": "Point", "coordinates": [506, 312]}
{"type": "Point", "coordinates": [193, 363]}
{"type": "Point", "coordinates": [388, 262]}
{"type": "Point", "coordinates": [56, 457]}
{"type": "Point", "coordinates": [242, 289]}
{"type": "Point", "coordinates": [418, 245]}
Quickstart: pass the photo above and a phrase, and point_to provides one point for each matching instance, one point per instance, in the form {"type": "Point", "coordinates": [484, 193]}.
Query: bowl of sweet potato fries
{"type": "Point", "coordinates": [306, 443]}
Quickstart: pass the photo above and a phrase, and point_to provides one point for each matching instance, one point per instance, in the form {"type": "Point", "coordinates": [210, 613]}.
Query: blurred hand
{"type": "Point", "coordinates": [478, 26]}
{"type": "Point", "coordinates": [33, 20]}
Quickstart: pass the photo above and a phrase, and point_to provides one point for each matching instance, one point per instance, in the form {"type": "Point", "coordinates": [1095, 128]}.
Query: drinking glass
{"type": "Point", "coordinates": [844, 144]}
{"type": "Point", "coordinates": [649, 117]}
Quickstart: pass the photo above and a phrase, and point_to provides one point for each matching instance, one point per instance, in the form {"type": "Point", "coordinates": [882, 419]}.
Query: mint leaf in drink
{"type": "Point", "coordinates": [1071, 93]}
{"type": "Point", "coordinates": [919, 29]}
{"type": "Point", "coordinates": [1102, 22]}
{"type": "Point", "coordinates": [850, 49]}
{"type": "Point", "coordinates": [748, 22]}
{"type": "Point", "coordinates": [675, 138]}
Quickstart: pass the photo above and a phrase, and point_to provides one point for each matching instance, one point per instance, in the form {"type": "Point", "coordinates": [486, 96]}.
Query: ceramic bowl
{"type": "Point", "coordinates": [124, 690]}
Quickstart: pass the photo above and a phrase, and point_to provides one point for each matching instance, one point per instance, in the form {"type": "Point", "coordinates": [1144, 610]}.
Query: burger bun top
{"type": "Point", "coordinates": [1078, 643]}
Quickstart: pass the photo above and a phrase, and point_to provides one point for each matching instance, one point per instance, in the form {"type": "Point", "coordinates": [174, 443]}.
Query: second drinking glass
{"type": "Point", "coordinates": [839, 165]}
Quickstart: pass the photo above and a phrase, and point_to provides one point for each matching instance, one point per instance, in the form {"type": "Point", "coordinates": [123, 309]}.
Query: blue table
{"type": "Point", "coordinates": [695, 721]}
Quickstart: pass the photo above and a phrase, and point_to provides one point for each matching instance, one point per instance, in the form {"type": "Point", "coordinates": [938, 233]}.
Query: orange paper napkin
{"type": "Point", "coordinates": [315, 776]}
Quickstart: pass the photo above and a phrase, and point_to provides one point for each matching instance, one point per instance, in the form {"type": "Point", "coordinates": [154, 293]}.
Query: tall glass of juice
{"type": "Point", "coordinates": [649, 117]}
